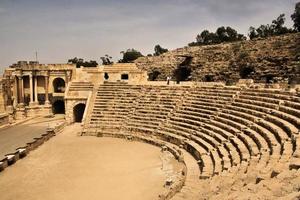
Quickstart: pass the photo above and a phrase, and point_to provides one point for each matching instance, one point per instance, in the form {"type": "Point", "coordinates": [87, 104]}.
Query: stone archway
{"type": "Point", "coordinates": [58, 107]}
{"type": "Point", "coordinates": [78, 112]}
{"type": "Point", "coordinates": [59, 85]}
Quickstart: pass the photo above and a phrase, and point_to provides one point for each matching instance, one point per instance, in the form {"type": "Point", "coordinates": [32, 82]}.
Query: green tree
{"type": "Point", "coordinates": [130, 55]}
{"type": "Point", "coordinates": [80, 62]}
{"type": "Point", "coordinates": [276, 28]}
{"type": "Point", "coordinates": [158, 50]}
{"type": "Point", "coordinates": [252, 33]}
{"type": "Point", "coordinates": [296, 17]}
{"type": "Point", "coordinates": [106, 60]}
{"type": "Point", "coordinates": [222, 34]}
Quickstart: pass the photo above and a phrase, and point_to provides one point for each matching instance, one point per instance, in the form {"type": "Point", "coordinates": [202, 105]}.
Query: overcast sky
{"type": "Point", "coordinates": [62, 29]}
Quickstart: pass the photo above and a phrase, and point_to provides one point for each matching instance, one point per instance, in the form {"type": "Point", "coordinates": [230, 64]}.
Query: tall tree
{"type": "Point", "coordinates": [158, 50]}
{"type": "Point", "coordinates": [130, 55]}
{"type": "Point", "coordinates": [296, 17]}
{"type": "Point", "coordinates": [106, 60]}
{"type": "Point", "coordinates": [252, 33]}
{"type": "Point", "coordinates": [222, 34]}
{"type": "Point", "coordinates": [80, 62]}
{"type": "Point", "coordinates": [276, 28]}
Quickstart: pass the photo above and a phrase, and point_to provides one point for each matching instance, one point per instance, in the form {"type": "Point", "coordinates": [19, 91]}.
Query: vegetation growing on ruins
{"type": "Point", "coordinates": [106, 60]}
{"type": "Point", "coordinates": [80, 62]}
{"type": "Point", "coordinates": [130, 55]}
{"type": "Point", "coordinates": [228, 34]}
{"type": "Point", "coordinates": [276, 28]}
{"type": "Point", "coordinates": [158, 50]}
{"type": "Point", "coordinates": [222, 34]}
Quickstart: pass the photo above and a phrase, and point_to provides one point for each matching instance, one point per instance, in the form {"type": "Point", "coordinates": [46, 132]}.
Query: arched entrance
{"type": "Point", "coordinates": [59, 85]}
{"type": "Point", "coordinates": [78, 112]}
{"type": "Point", "coordinates": [58, 107]}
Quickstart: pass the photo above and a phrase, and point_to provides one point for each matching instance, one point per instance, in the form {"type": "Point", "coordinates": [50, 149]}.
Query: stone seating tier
{"type": "Point", "coordinates": [226, 129]}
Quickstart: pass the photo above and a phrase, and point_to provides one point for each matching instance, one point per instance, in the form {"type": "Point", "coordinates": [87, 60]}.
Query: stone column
{"type": "Point", "coordinates": [47, 107]}
{"type": "Point", "coordinates": [47, 90]}
{"type": "Point", "coordinates": [35, 90]}
{"type": "Point", "coordinates": [9, 94]}
{"type": "Point", "coordinates": [31, 88]}
{"type": "Point", "coordinates": [21, 90]}
{"type": "Point", "coordinates": [16, 96]}
{"type": "Point", "coordinates": [20, 111]}
{"type": "Point", "coordinates": [9, 107]}
{"type": "Point", "coordinates": [67, 77]}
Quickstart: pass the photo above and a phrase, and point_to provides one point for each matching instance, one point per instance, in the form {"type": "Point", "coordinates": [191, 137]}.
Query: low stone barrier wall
{"type": "Point", "coordinates": [21, 152]}
{"type": "Point", "coordinates": [4, 119]}
{"type": "Point", "coordinates": [178, 180]}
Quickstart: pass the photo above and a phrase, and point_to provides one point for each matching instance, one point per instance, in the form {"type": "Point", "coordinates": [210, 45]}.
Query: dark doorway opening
{"type": "Point", "coordinates": [208, 78]}
{"type": "Point", "coordinates": [245, 72]}
{"type": "Point", "coordinates": [124, 77]}
{"type": "Point", "coordinates": [106, 77]}
{"type": "Point", "coordinates": [184, 70]}
{"type": "Point", "coordinates": [182, 73]}
{"type": "Point", "coordinates": [270, 79]}
{"type": "Point", "coordinates": [58, 107]}
{"type": "Point", "coordinates": [59, 85]}
{"type": "Point", "coordinates": [153, 75]}
{"type": "Point", "coordinates": [78, 112]}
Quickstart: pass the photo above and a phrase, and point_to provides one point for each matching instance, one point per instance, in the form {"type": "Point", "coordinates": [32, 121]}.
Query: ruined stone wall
{"type": "Point", "coordinates": [277, 57]}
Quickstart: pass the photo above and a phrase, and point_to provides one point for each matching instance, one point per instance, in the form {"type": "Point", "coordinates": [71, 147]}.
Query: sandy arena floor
{"type": "Point", "coordinates": [73, 167]}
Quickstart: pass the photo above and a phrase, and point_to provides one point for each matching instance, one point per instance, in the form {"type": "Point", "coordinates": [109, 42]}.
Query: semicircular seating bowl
{"type": "Point", "coordinates": [228, 130]}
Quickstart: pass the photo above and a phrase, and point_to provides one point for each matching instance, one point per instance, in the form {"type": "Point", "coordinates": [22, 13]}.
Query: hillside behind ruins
{"type": "Point", "coordinates": [274, 59]}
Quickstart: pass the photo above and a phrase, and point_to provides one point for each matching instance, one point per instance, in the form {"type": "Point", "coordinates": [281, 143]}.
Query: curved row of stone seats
{"type": "Point", "coordinates": [259, 145]}
{"type": "Point", "coordinates": [112, 104]}
{"type": "Point", "coordinates": [152, 107]}
{"type": "Point", "coordinates": [285, 119]}
{"type": "Point", "coordinates": [186, 123]}
{"type": "Point", "coordinates": [286, 108]}
{"type": "Point", "coordinates": [262, 118]}
{"type": "Point", "coordinates": [248, 121]}
{"type": "Point", "coordinates": [226, 130]}
{"type": "Point", "coordinates": [81, 86]}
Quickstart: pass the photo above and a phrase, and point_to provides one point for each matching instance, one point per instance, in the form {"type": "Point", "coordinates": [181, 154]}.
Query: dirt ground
{"type": "Point", "coordinates": [73, 167]}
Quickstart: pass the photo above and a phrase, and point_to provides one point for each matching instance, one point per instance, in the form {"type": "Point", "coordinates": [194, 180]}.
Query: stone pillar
{"type": "Point", "coordinates": [9, 94]}
{"type": "Point", "coordinates": [16, 96]}
{"type": "Point", "coordinates": [31, 89]}
{"type": "Point", "coordinates": [35, 90]}
{"type": "Point", "coordinates": [47, 107]}
{"type": "Point", "coordinates": [9, 108]}
{"type": "Point", "coordinates": [47, 90]}
{"type": "Point", "coordinates": [66, 77]}
{"type": "Point", "coordinates": [20, 111]}
{"type": "Point", "coordinates": [21, 90]}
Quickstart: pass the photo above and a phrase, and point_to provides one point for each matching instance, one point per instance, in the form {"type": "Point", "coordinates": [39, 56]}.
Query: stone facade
{"type": "Point", "coordinates": [31, 89]}
{"type": "Point", "coordinates": [31, 86]}
{"type": "Point", "coordinates": [275, 59]}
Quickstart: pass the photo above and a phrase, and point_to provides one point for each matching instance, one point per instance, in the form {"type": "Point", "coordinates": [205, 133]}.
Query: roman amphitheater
{"type": "Point", "coordinates": [117, 135]}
